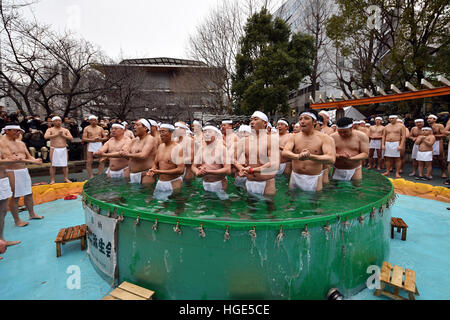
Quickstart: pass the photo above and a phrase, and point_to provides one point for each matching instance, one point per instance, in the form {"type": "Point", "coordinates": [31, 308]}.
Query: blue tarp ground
{"type": "Point", "coordinates": [31, 271]}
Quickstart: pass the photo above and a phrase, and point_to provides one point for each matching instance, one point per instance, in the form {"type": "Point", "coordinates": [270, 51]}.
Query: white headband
{"type": "Point", "coordinates": [93, 118]}
{"type": "Point", "coordinates": [260, 115]}
{"type": "Point", "coordinates": [196, 123]}
{"type": "Point", "coordinates": [152, 122]}
{"type": "Point", "coordinates": [346, 127]}
{"type": "Point", "coordinates": [355, 122]}
{"type": "Point", "coordinates": [213, 129]}
{"type": "Point", "coordinates": [181, 125]}
{"type": "Point", "coordinates": [367, 124]}
{"type": "Point", "coordinates": [124, 123]}
{"type": "Point", "coordinates": [12, 127]}
{"type": "Point", "coordinates": [427, 129]}
{"type": "Point", "coordinates": [145, 123]}
{"type": "Point", "coordinates": [393, 116]}
{"type": "Point", "coordinates": [379, 118]}
{"type": "Point", "coordinates": [227, 122]}
{"type": "Point", "coordinates": [116, 125]}
{"type": "Point", "coordinates": [325, 113]}
{"type": "Point", "coordinates": [283, 122]}
{"type": "Point", "coordinates": [312, 115]}
{"type": "Point", "coordinates": [167, 126]}
{"type": "Point", "coordinates": [362, 122]}
{"type": "Point", "coordinates": [419, 120]}
{"type": "Point", "coordinates": [245, 128]}
{"type": "Point", "coordinates": [56, 118]}
{"type": "Point", "coordinates": [432, 116]}
{"type": "Point", "coordinates": [400, 120]}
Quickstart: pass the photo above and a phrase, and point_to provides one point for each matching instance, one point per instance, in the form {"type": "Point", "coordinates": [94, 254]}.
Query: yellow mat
{"type": "Point", "coordinates": [421, 190]}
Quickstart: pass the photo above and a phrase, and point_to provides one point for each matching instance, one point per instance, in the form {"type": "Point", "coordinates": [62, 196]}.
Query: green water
{"type": "Point", "coordinates": [194, 202]}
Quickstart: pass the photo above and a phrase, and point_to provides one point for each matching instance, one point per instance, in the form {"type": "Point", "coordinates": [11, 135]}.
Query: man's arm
{"type": "Point", "coordinates": [364, 149]}
{"type": "Point", "coordinates": [430, 140]}
{"type": "Point", "coordinates": [288, 147]}
{"type": "Point", "coordinates": [383, 139]}
{"type": "Point", "coordinates": [329, 152]}
{"type": "Point", "coordinates": [68, 135]}
{"type": "Point", "coordinates": [85, 136]}
{"type": "Point", "coordinates": [146, 150]}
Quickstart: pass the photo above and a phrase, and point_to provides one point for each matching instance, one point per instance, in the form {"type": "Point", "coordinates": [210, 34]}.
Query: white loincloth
{"type": "Point", "coordinates": [116, 174]}
{"type": "Point", "coordinates": [414, 151]}
{"type": "Point", "coordinates": [375, 144]}
{"type": "Point", "coordinates": [256, 187]}
{"type": "Point", "coordinates": [5, 189]}
{"type": "Point", "coordinates": [424, 156]}
{"type": "Point", "coordinates": [136, 177]}
{"type": "Point", "coordinates": [282, 168]}
{"type": "Point", "coordinates": [391, 149]}
{"type": "Point", "coordinates": [213, 186]}
{"type": "Point", "coordinates": [304, 182]}
{"type": "Point", "coordinates": [240, 181]}
{"type": "Point", "coordinates": [436, 148]}
{"type": "Point", "coordinates": [344, 174]}
{"type": "Point", "coordinates": [94, 146]}
{"type": "Point", "coordinates": [59, 157]}
{"type": "Point", "coordinates": [164, 189]}
{"type": "Point", "coordinates": [22, 182]}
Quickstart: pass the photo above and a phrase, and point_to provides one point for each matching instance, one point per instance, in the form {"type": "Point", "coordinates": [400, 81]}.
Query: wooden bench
{"type": "Point", "coordinates": [129, 291]}
{"type": "Point", "coordinates": [400, 225]}
{"type": "Point", "coordinates": [399, 280]}
{"type": "Point", "coordinates": [70, 234]}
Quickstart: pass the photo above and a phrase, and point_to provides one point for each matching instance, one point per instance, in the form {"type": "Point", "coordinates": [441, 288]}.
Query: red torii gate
{"type": "Point", "coordinates": [399, 96]}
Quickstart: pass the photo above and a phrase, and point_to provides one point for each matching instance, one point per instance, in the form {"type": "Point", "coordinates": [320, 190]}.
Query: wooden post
{"type": "Point", "coordinates": [58, 250]}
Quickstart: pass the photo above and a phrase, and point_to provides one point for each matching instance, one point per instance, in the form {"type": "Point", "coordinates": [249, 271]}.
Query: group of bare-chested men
{"type": "Point", "coordinates": [169, 154]}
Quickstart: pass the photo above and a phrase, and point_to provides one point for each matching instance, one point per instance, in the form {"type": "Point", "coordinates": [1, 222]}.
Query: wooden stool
{"type": "Point", "coordinates": [399, 224]}
{"type": "Point", "coordinates": [396, 281]}
{"type": "Point", "coordinates": [70, 234]}
{"type": "Point", "coordinates": [129, 291]}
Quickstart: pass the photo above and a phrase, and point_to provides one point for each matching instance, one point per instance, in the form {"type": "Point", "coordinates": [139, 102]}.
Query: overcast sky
{"type": "Point", "coordinates": [137, 28]}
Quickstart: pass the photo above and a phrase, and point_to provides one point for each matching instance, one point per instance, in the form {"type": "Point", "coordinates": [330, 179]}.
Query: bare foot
{"type": "Point", "coordinates": [1, 258]}
{"type": "Point", "coordinates": [386, 173]}
{"type": "Point", "coordinates": [12, 243]}
{"type": "Point", "coordinates": [52, 182]}
{"type": "Point", "coordinates": [397, 176]}
{"type": "Point", "coordinates": [35, 217]}
{"type": "Point", "coordinates": [67, 181]}
{"type": "Point", "coordinates": [21, 223]}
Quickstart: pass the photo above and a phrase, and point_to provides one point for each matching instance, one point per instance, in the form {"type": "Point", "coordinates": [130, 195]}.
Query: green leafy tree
{"type": "Point", "coordinates": [271, 63]}
{"type": "Point", "coordinates": [410, 43]}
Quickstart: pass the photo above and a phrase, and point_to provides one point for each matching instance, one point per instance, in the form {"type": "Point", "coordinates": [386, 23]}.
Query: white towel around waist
{"type": "Point", "coordinates": [59, 157]}
{"type": "Point", "coordinates": [213, 186]}
{"type": "Point", "coordinates": [22, 182]}
{"type": "Point", "coordinates": [424, 156]}
{"type": "Point", "coordinates": [5, 189]}
{"type": "Point", "coordinates": [391, 149]}
{"type": "Point", "coordinates": [344, 174]}
{"type": "Point", "coordinates": [304, 182]}
{"type": "Point", "coordinates": [375, 144]}
{"type": "Point", "coordinates": [94, 146]}
{"type": "Point", "coordinates": [436, 148]}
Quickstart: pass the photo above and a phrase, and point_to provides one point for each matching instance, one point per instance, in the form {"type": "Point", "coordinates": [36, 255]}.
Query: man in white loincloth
{"type": "Point", "coordinates": [168, 165]}
{"type": "Point", "coordinates": [376, 135]}
{"type": "Point", "coordinates": [95, 136]}
{"type": "Point", "coordinates": [309, 151]}
{"type": "Point", "coordinates": [283, 136]}
{"type": "Point", "coordinates": [210, 162]}
{"type": "Point", "coordinates": [352, 148]}
{"type": "Point", "coordinates": [5, 194]}
{"type": "Point", "coordinates": [425, 153]}
{"type": "Point", "coordinates": [438, 147]}
{"type": "Point", "coordinates": [415, 132]}
{"type": "Point", "coordinates": [393, 142]}
{"type": "Point", "coordinates": [19, 178]}
{"type": "Point", "coordinates": [118, 165]}
{"type": "Point", "coordinates": [141, 152]}
{"type": "Point", "coordinates": [58, 137]}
